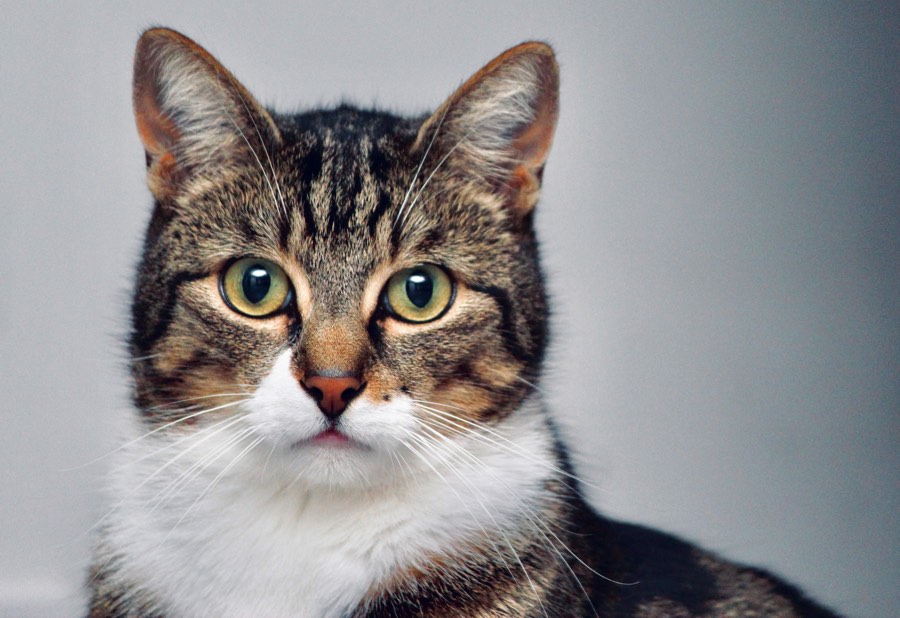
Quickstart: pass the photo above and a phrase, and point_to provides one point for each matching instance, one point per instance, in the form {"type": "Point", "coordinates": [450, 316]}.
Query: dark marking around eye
{"type": "Point", "coordinates": [507, 327]}
{"type": "Point", "coordinates": [376, 334]}
{"type": "Point", "coordinates": [295, 327]}
{"type": "Point", "coordinates": [141, 309]}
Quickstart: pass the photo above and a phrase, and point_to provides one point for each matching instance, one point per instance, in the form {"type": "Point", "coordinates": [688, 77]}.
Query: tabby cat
{"type": "Point", "coordinates": [339, 323]}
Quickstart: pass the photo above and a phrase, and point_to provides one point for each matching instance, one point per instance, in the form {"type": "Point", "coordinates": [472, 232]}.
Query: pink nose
{"type": "Point", "coordinates": [332, 394]}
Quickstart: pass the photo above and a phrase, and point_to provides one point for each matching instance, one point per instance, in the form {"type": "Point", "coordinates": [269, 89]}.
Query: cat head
{"type": "Point", "coordinates": [342, 284]}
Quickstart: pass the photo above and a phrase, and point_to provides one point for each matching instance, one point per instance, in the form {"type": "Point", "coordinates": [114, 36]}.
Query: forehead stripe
{"type": "Point", "coordinates": [310, 171]}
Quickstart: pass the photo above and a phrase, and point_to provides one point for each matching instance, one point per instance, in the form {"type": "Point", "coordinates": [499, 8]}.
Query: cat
{"type": "Point", "coordinates": [338, 329]}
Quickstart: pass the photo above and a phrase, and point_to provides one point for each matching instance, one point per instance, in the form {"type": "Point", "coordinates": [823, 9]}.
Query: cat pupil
{"type": "Point", "coordinates": [419, 288]}
{"type": "Point", "coordinates": [256, 284]}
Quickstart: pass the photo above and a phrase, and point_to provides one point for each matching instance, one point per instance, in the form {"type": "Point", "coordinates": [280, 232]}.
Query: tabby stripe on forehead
{"type": "Point", "coordinates": [145, 342]}
{"type": "Point", "coordinates": [285, 226]}
{"type": "Point", "coordinates": [378, 165]}
{"type": "Point", "coordinates": [508, 328]}
{"type": "Point", "coordinates": [384, 202]}
{"type": "Point", "coordinates": [310, 171]}
{"type": "Point", "coordinates": [342, 209]}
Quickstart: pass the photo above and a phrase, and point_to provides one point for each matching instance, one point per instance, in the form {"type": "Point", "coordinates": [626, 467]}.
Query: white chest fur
{"type": "Point", "coordinates": [234, 536]}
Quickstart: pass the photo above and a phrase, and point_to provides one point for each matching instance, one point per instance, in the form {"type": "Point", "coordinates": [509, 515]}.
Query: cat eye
{"type": "Point", "coordinates": [419, 294]}
{"type": "Point", "coordinates": [255, 287]}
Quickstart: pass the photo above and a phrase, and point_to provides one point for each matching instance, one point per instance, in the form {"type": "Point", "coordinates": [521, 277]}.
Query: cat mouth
{"type": "Point", "coordinates": [331, 438]}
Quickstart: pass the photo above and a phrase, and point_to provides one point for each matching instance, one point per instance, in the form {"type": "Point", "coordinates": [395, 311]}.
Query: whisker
{"type": "Point", "coordinates": [419, 169]}
{"type": "Point", "coordinates": [165, 406]}
{"type": "Point", "coordinates": [221, 425]}
{"type": "Point", "coordinates": [447, 424]}
{"type": "Point", "coordinates": [530, 515]}
{"type": "Point", "coordinates": [218, 82]}
{"type": "Point", "coordinates": [534, 517]}
{"type": "Point", "coordinates": [420, 440]}
{"type": "Point", "coordinates": [431, 175]}
{"type": "Point", "coordinates": [531, 384]}
{"type": "Point", "coordinates": [213, 483]}
{"type": "Point", "coordinates": [266, 151]}
{"type": "Point", "coordinates": [155, 431]}
{"type": "Point", "coordinates": [509, 444]}
{"type": "Point", "coordinates": [165, 495]}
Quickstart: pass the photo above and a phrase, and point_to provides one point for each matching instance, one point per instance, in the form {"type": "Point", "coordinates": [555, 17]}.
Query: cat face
{"type": "Point", "coordinates": [339, 287]}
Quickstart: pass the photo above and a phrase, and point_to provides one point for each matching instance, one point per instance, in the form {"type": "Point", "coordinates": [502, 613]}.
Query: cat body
{"type": "Point", "coordinates": [338, 328]}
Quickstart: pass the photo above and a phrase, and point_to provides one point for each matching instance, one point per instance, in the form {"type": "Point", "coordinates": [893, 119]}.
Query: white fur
{"type": "Point", "coordinates": [292, 529]}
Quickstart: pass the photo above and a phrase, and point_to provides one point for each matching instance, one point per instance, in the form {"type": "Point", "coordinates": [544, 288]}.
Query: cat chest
{"type": "Point", "coordinates": [249, 554]}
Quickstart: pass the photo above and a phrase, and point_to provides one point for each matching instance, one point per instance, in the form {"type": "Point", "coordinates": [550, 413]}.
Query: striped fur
{"type": "Point", "coordinates": [451, 495]}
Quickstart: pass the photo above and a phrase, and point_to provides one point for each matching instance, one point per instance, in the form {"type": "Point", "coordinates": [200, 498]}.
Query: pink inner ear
{"type": "Point", "coordinates": [157, 131]}
{"type": "Point", "coordinates": [159, 135]}
{"type": "Point", "coordinates": [533, 143]}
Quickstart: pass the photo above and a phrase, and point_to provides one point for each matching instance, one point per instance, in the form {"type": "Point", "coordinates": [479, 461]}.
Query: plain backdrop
{"type": "Point", "coordinates": [721, 234]}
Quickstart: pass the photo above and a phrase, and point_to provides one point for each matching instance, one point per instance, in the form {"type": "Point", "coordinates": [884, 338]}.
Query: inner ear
{"type": "Point", "coordinates": [159, 135]}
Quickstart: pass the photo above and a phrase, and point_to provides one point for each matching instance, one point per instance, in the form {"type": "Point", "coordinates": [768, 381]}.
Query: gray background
{"type": "Point", "coordinates": [720, 226]}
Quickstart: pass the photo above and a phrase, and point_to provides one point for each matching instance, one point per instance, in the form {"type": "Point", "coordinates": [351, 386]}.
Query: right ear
{"type": "Point", "coordinates": [193, 117]}
{"type": "Point", "coordinates": [499, 125]}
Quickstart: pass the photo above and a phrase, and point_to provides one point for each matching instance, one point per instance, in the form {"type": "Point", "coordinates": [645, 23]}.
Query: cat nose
{"type": "Point", "coordinates": [332, 394]}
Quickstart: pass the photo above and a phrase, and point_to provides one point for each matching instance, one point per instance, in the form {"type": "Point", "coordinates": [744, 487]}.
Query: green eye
{"type": "Point", "coordinates": [255, 287]}
{"type": "Point", "coordinates": [419, 294]}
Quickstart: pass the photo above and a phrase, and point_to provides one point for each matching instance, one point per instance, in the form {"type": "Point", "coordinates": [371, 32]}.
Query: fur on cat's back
{"type": "Point", "coordinates": [338, 330]}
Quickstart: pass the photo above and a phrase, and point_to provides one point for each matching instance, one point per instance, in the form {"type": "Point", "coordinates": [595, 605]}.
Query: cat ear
{"type": "Point", "coordinates": [498, 126]}
{"type": "Point", "coordinates": [193, 117]}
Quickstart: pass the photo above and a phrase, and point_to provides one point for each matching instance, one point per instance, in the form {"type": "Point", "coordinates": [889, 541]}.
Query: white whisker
{"type": "Point", "coordinates": [224, 111]}
{"type": "Point", "coordinates": [419, 169]}
{"type": "Point", "coordinates": [530, 515]}
{"type": "Point", "coordinates": [163, 496]}
{"type": "Point", "coordinates": [213, 483]}
{"type": "Point", "coordinates": [533, 517]}
{"type": "Point", "coordinates": [155, 431]}
{"type": "Point", "coordinates": [464, 503]}
{"type": "Point", "coordinates": [221, 426]}
{"type": "Point", "coordinates": [424, 443]}
{"type": "Point", "coordinates": [431, 175]}
{"type": "Point", "coordinates": [506, 443]}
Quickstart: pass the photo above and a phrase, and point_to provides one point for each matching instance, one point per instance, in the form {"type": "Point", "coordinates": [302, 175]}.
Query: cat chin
{"type": "Point", "coordinates": [309, 465]}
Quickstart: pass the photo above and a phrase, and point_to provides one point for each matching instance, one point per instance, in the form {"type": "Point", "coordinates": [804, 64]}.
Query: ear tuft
{"type": "Point", "coordinates": [499, 125]}
{"type": "Point", "coordinates": [193, 117]}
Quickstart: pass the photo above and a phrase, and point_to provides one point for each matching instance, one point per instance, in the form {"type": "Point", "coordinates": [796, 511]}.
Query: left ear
{"type": "Point", "coordinates": [193, 116]}
{"type": "Point", "coordinates": [498, 126]}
